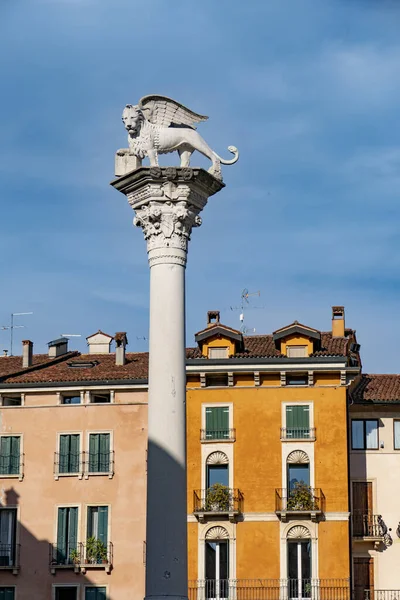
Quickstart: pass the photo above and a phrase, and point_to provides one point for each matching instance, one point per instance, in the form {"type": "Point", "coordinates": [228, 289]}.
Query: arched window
{"type": "Point", "coordinates": [299, 571]}
{"type": "Point", "coordinates": [298, 469]}
{"type": "Point", "coordinates": [217, 470]}
{"type": "Point", "coordinates": [217, 563]}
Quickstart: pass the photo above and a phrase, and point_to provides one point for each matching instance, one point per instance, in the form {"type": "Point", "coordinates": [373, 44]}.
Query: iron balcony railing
{"type": "Point", "coordinates": [218, 499]}
{"type": "Point", "coordinates": [303, 499]}
{"type": "Point", "coordinates": [367, 525]}
{"type": "Point", "coordinates": [83, 463]}
{"type": "Point", "coordinates": [298, 433]}
{"type": "Point", "coordinates": [69, 463]}
{"type": "Point", "coordinates": [270, 589]}
{"type": "Point", "coordinates": [217, 435]}
{"type": "Point", "coordinates": [9, 556]}
{"type": "Point", "coordinates": [81, 554]}
{"type": "Point", "coordinates": [12, 464]}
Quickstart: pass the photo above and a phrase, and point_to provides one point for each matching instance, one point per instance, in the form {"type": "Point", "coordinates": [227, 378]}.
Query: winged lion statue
{"type": "Point", "coordinates": [159, 125]}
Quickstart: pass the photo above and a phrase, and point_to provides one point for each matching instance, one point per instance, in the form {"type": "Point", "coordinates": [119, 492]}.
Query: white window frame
{"type": "Point", "coordinates": [296, 347]}
{"type": "Point", "coordinates": [65, 585]}
{"type": "Point", "coordinates": [79, 474]}
{"type": "Point", "coordinates": [62, 395]}
{"type": "Point", "coordinates": [110, 473]}
{"type": "Point", "coordinates": [310, 405]}
{"type": "Point", "coordinates": [225, 446]}
{"type": "Point", "coordinates": [12, 395]}
{"type": "Point", "coordinates": [201, 562]}
{"type": "Point", "coordinates": [19, 475]}
{"type": "Point", "coordinates": [211, 349]}
{"type": "Point", "coordinates": [284, 530]}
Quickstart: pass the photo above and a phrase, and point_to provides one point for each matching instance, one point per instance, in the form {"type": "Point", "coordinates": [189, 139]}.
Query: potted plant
{"type": "Point", "coordinates": [96, 551]}
{"type": "Point", "coordinates": [75, 556]}
{"type": "Point", "coordinates": [218, 498]}
{"type": "Point", "coordinates": [301, 498]}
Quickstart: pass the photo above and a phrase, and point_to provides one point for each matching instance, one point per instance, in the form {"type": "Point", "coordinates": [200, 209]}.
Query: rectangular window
{"type": "Point", "coordinates": [97, 534]}
{"type": "Point", "coordinates": [396, 435]}
{"type": "Point", "coordinates": [67, 534]}
{"type": "Point", "coordinates": [297, 422]}
{"type": "Point", "coordinates": [7, 593]}
{"type": "Point", "coordinates": [101, 398]}
{"type": "Point", "coordinates": [69, 453]}
{"type": "Point", "coordinates": [99, 453]}
{"type": "Point", "coordinates": [218, 380]}
{"type": "Point", "coordinates": [95, 593]}
{"type": "Point", "coordinates": [364, 434]}
{"type": "Point", "coordinates": [12, 400]}
{"type": "Point", "coordinates": [10, 458]}
{"type": "Point", "coordinates": [8, 524]}
{"type": "Point", "coordinates": [218, 352]}
{"type": "Point", "coordinates": [71, 399]}
{"type": "Point", "coordinates": [296, 379]}
{"type": "Point", "coordinates": [66, 593]}
{"type": "Point", "coordinates": [296, 351]}
{"type": "Point", "coordinates": [217, 423]}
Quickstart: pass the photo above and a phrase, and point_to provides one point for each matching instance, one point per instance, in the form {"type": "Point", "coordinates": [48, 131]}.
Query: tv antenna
{"type": "Point", "coordinates": [245, 305]}
{"type": "Point", "coordinates": [11, 327]}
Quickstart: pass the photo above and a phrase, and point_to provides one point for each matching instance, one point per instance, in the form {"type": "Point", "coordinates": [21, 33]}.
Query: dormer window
{"type": "Point", "coordinates": [297, 351]}
{"type": "Point", "coordinates": [218, 352]}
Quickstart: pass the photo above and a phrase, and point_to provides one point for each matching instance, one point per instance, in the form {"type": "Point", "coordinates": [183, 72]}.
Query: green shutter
{"type": "Point", "coordinates": [89, 529]}
{"type": "Point", "coordinates": [297, 421]}
{"type": "Point", "coordinates": [94, 452]}
{"type": "Point", "coordinates": [62, 535]}
{"type": "Point", "coordinates": [72, 529]}
{"type": "Point", "coordinates": [101, 593]}
{"type": "Point", "coordinates": [64, 452]}
{"type": "Point", "coordinates": [74, 453]}
{"type": "Point", "coordinates": [104, 462]}
{"type": "Point", "coordinates": [6, 593]}
{"type": "Point", "coordinates": [5, 455]}
{"type": "Point", "coordinates": [217, 422]}
{"type": "Point", "coordinates": [91, 593]}
{"type": "Point", "coordinates": [102, 530]}
{"type": "Point", "coordinates": [15, 454]}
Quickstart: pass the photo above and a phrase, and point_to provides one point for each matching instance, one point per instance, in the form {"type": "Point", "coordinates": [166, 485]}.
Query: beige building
{"type": "Point", "coordinates": [374, 473]}
{"type": "Point", "coordinates": [73, 439]}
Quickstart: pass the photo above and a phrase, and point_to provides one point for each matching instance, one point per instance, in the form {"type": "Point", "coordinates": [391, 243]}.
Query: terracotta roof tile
{"type": "Point", "coordinates": [376, 388]}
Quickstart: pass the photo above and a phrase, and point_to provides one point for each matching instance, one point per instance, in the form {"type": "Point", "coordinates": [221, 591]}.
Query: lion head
{"type": "Point", "coordinates": [132, 118]}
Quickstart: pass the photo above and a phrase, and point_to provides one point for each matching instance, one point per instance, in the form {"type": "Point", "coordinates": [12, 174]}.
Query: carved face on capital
{"type": "Point", "coordinates": [131, 118]}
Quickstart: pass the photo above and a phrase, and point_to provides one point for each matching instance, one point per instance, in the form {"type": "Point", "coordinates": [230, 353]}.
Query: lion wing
{"type": "Point", "coordinates": [164, 111]}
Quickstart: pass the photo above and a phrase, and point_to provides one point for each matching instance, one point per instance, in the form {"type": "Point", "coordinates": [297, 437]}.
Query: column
{"type": "Point", "coordinates": [167, 203]}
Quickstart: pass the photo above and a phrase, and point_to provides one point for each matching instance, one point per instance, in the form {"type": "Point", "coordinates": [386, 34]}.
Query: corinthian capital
{"type": "Point", "coordinates": [167, 203]}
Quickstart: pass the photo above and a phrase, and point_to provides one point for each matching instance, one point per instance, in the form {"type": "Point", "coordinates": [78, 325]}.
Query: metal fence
{"type": "Point", "coordinates": [361, 593]}
{"type": "Point", "coordinates": [367, 525]}
{"type": "Point", "coordinates": [84, 463]}
{"type": "Point", "coordinates": [9, 556]}
{"type": "Point", "coordinates": [298, 433]}
{"type": "Point", "coordinates": [218, 499]}
{"type": "Point", "coordinates": [271, 589]}
{"type": "Point", "coordinates": [217, 434]}
{"type": "Point", "coordinates": [301, 499]}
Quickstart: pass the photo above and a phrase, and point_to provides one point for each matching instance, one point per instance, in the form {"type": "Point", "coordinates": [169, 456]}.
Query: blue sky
{"type": "Point", "coordinates": [307, 90]}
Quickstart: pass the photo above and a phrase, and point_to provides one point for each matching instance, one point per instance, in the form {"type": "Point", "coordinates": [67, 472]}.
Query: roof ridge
{"type": "Point", "coordinates": [40, 366]}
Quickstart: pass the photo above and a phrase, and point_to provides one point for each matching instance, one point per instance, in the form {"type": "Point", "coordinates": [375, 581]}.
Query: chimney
{"type": "Point", "coordinates": [337, 321]}
{"type": "Point", "coordinates": [121, 342]}
{"type": "Point", "coordinates": [58, 347]}
{"type": "Point", "coordinates": [27, 353]}
{"type": "Point", "coordinates": [212, 317]}
{"type": "Point", "coordinates": [99, 343]}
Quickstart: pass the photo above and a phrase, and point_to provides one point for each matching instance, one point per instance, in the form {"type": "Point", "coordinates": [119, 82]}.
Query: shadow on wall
{"type": "Point", "coordinates": [45, 569]}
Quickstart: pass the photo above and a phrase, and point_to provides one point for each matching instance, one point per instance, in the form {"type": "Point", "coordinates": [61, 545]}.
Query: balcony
{"type": "Point", "coordinates": [9, 558]}
{"type": "Point", "coordinates": [83, 464]}
{"type": "Point", "coordinates": [92, 554]}
{"type": "Point", "coordinates": [362, 593]}
{"type": "Point", "coordinates": [302, 502]}
{"type": "Point", "coordinates": [292, 434]}
{"type": "Point", "coordinates": [217, 435]}
{"type": "Point", "coordinates": [270, 589]}
{"type": "Point", "coordinates": [368, 527]}
{"type": "Point", "coordinates": [217, 501]}
{"type": "Point", "coordinates": [12, 466]}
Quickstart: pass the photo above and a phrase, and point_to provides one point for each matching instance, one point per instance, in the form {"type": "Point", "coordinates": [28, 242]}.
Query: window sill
{"type": "Point", "coordinates": [100, 474]}
{"type": "Point", "coordinates": [58, 475]}
{"type": "Point", "coordinates": [219, 441]}
{"type": "Point", "coordinates": [18, 476]}
{"type": "Point", "coordinates": [14, 569]}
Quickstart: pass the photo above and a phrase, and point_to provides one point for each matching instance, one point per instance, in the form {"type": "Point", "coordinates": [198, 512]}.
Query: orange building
{"type": "Point", "coordinates": [267, 449]}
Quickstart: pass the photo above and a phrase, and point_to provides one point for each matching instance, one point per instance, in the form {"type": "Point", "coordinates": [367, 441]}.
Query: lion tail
{"type": "Point", "coordinates": [232, 150]}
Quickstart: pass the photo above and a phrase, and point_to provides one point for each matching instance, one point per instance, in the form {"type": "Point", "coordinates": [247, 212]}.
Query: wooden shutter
{"type": "Point", "coordinates": [63, 455]}
{"type": "Point", "coordinates": [101, 593]}
{"type": "Point", "coordinates": [89, 528]}
{"type": "Point", "coordinates": [217, 422]}
{"type": "Point", "coordinates": [363, 576]}
{"type": "Point", "coordinates": [6, 455]}
{"type": "Point", "coordinates": [72, 529]}
{"type": "Point", "coordinates": [362, 497]}
{"type": "Point", "coordinates": [94, 452]}
{"type": "Point", "coordinates": [14, 455]}
{"type": "Point", "coordinates": [102, 530]}
{"type": "Point", "coordinates": [104, 446]}
{"type": "Point", "coordinates": [6, 593]}
{"type": "Point", "coordinates": [297, 417]}
{"type": "Point", "coordinates": [91, 593]}
{"type": "Point", "coordinates": [62, 535]}
{"type": "Point", "coordinates": [74, 453]}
